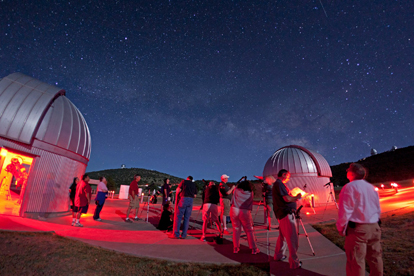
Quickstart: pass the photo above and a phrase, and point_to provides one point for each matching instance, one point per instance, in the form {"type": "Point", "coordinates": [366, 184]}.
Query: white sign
{"type": "Point", "coordinates": [123, 192]}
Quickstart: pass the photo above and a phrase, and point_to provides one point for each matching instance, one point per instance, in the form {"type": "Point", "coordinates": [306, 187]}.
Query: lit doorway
{"type": "Point", "coordinates": [15, 169]}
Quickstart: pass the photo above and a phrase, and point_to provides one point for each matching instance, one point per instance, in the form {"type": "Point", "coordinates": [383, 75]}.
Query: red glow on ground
{"type": "Point", "coordinates": [391, 200]}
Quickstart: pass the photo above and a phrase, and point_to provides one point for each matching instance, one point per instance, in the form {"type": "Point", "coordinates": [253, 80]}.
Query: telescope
{"type": "Point", "coordinates": [297, 213]}
{"type": "Point", "coordinates": [241, 179]}
{"type": "Point", "coordinates": [327, 184]}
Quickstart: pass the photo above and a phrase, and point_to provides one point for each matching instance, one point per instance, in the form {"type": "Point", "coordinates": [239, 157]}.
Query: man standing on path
{"type": "Point", "coordinates": [82, 198]}
{"type": "Point", "coordinates": [166, 190]}
{"type": "Point", "coordinates": [185, 194]}
{"type": "Point", "coordinates": [102, 191]}
{"type": "Point", "coordinates": [133, 198]}
{"type": "Point", "coordinates": [268, 203]}
{"type": "Point", "coordinates": [358, 220]}
{"type": "Point", "coordinates": [225, 198]}
{"type": "Point", "coordinates": [284, 206]}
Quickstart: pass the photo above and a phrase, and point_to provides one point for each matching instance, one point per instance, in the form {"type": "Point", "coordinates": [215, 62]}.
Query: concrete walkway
{"type": "Point", "coordinates": [144, 240]}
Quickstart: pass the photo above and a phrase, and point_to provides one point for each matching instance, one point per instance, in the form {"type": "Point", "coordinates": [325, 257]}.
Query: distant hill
{"type": "Point", "coordinates": [125, 176]}
{"type": "Point", "coordinates": [384, 167]}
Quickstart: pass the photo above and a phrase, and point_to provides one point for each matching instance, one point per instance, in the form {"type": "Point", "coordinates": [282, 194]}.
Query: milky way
{"type": "Point", "coordinates": [212, 87]}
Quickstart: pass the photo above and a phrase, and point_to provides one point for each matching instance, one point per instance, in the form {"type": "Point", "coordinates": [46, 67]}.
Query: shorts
{"type": "Point", "coordinates": [268, 207]}
{"type": "Point", "coordinates": [210, 211]}
{"type": "Point", "coordinates": [81, 209]}
{"type": "Point", "coordinates": [225, 206]}
{"type": "Point", "coordinates": [133, 203]}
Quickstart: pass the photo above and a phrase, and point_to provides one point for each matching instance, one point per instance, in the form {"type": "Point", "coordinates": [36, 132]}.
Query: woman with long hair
{"type": "Point", "coordinates": [241, 215]}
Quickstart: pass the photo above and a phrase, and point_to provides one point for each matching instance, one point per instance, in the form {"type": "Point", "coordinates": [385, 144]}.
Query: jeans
{"type": "Point", "coordinates": [185, 207]}
{"type": "Point", "coordinates": [97, 211]}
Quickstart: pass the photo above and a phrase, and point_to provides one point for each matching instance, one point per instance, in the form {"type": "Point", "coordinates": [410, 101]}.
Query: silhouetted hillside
{"type": "Point", "coordinates": [125, 176]}
{"type": "Point", "coordinates": [387, 166]}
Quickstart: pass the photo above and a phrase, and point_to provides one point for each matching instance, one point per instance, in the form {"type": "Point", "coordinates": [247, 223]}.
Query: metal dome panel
{"type": "Point", "coordinates": [23, 103]}
{"type": "Point", "coordinates": [298, 161]}
{"type": "Point", "coordinates": [30, 109]}
{"type": "Point", "coordinates": [65, 127]}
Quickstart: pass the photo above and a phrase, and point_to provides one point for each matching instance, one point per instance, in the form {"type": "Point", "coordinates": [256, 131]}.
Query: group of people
{"type": "Point", "coordinates": [80, 194]}
{"type": "Point", "coordinates": [235, 201]}
{"type": "Point", "coordinates": [358, 220]}
{"type": "Point", "coordinates": [358, 215]}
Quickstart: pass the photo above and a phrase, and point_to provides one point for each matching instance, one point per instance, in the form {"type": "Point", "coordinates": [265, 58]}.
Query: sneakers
{"type": "Point", "coordinates": [203, 239]}
{"type": "Point", "coordinates": [236, 250]}
{"type": "Point", "coordinates": [136, 219]}
{"type": "Point", "coordinates": [78, 224]}
{"type": "Point", "coordinates": [281, 259]}
{"type": "Point", "coordinates": [225, 231]}
{"type": "Point", "coordinates": [98, 219]}
{"type": "Point", "coordinates": [300, 265]}
{"type": "Point", "coordinates": [255, 251]}
{"type": "Point", "coordinates": [172, 236]}
{"type": "Point", "coordinates": [128, 220]}
{"type": "Point", "coordinates": [73, 223]}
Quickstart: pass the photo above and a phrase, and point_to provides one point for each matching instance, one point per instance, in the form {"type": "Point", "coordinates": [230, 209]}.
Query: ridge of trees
{"type": "Point", "coordinates": [388, 166]}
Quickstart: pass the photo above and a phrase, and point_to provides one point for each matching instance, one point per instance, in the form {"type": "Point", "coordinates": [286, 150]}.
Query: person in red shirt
{"type": "Point", "coordinates": [82, 198]}
{"type": "Point", "coordinates": [133, 198]}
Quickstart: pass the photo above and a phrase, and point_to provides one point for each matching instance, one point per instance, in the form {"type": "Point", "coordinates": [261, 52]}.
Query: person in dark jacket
{"type": "Point", "coordinates": [284, 207]}
{"type": "Point", "coordinates": [167, 215]}
{"type": "Point", "coordinates": [210, 208]}
{"type": "Point", "coordinates": [166, 190]}
{"type": "Point", "coordinates": [72, 194]}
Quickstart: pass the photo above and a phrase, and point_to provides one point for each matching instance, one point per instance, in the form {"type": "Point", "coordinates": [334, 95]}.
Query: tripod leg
{"type": "Point", "coordinates": [267, 244]}
{"type": "Point", "coordinates": [326, 205]}
{"type": "Point", "coordinates": [334, 199]}
{"type": "Point", "coordinates": [142, 209]}
{"type": "Point", "coordinates": [198, 214]}
{"type": "Point", "coordinates": [306, 234]}
{"type": "Point", "coordinates": [257, 210]}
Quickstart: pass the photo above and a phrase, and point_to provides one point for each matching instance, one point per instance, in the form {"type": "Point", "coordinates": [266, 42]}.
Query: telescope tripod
{"type": "Point", "coordinates": [299, 220]}
{"type": "Point", "coordinates": [146, 204]}
{"type": "Point", "coordinates": [257, 210]}
{"type": "Point", "coordinates": [331, 197]}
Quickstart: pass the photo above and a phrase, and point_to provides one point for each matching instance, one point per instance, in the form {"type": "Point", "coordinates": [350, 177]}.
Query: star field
{"type": "Point", "coordinates": [212, 87]}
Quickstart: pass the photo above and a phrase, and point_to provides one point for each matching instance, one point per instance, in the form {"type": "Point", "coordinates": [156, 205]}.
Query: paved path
{"type": "Point", "coordinates": [143, 239]}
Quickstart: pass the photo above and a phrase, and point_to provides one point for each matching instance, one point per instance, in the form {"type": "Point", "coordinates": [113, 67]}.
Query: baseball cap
{"type": "Point", "coordinates": [225, 176]}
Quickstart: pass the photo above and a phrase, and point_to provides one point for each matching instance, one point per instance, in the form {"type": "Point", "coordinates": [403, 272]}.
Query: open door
{"type": "Point", "coordinates": [15, 169]}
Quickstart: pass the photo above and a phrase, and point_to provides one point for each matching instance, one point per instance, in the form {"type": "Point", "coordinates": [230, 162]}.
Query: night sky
{"type": "Point", "coordinates": [204, 88]}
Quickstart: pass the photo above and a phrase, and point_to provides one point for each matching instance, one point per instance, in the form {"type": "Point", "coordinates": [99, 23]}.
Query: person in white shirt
{"type": "Point", "coordinates": [358, 220]}
{"type": "Point", "coordinates": [102, 191]}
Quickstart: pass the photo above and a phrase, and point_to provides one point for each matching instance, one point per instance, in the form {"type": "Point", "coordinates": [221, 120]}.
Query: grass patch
{"type": "Point", "coordinates": [23, 253]}
{"type": "Point", "coordinates": [397, 242]}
